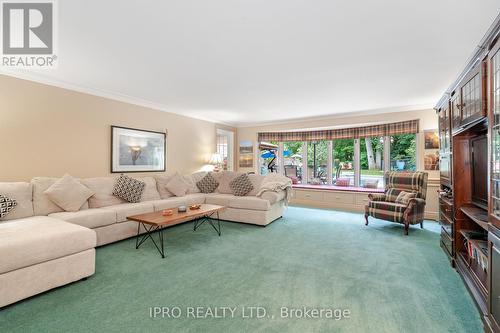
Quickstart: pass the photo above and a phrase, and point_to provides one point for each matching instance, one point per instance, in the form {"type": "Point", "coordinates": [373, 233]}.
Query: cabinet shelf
{"type": "Point", "coordinates": [476, 214]}
{"type": "Point", "coordinates": [479, 277]}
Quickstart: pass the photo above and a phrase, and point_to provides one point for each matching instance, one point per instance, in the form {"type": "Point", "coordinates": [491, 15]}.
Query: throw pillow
{"type": "Point", "coordinates": [128, 189]}
{"type": "Point", "coordinates": [343, 182]}
{"type": "Point", "coordinates": [404, 197]}
{"type": "Point", "coordinates": [225, 178]}
{"type": "Point", "coordinates": [241, 185]}
{"type": "Point", "coordinates": [207, 184]}
{"type": "Point", "coordinates": [6, 205]}
{"type": "Point", "coordinates": [177, 186]}
{"type": "Point", "coordinates": [68, 193]}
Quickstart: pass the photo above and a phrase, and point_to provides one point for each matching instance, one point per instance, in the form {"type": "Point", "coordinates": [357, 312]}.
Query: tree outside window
{"type": "Point", "coordinates": [343, 161]}
{"type": "Point", "coordinates": [317, 161]}
{"type": "Point", "coordinates": [372, 162]}
{"type": "Point", "coordinates": [403, 152]}
{"type": "Point", "coordinates": [292, 155]}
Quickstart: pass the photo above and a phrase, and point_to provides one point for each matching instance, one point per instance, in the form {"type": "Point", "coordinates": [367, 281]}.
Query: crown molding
{"type": "Point", "coordinates": [38, 78]}
{"type": "Point", "coordinates": [368, 112]}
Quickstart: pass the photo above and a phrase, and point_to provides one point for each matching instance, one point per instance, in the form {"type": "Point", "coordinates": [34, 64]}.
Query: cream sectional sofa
{"type": "Point", "coordinates": [43, 247]}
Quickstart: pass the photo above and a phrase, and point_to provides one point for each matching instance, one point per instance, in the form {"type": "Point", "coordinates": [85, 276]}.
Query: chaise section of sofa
{"type": "Point", "coordinates": [43, 247]}
{"type": "Point", "coordinates": [39, 253]}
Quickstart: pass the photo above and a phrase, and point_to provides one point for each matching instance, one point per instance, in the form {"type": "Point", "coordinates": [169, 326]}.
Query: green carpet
{"type": "Point", "coordinates": [311, 258]}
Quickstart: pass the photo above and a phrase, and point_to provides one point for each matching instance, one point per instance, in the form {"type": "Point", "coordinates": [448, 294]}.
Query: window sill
{"type": "Point", "coordinates": [338, 188]}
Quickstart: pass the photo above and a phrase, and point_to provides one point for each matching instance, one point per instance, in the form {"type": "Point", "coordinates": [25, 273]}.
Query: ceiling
{"type": "Point", "coordinates": [246, 62]}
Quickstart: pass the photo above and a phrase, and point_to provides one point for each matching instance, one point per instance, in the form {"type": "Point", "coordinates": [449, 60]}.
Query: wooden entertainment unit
{"type": "Point", "coordinates": [469, 203]}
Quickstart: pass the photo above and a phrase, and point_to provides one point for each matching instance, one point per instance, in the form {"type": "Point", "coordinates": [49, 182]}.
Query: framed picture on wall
{"type": "Point", "coordinates": [431, 159]}
{"type": "Point", "coordinates": [135, 150]}
{"type": "Point", "coordinates": [431, 138]}
{"type": "Point", "coordinates": [246, 154]}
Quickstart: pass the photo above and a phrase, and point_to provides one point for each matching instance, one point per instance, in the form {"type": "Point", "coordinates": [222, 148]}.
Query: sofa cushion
{"type": "Point", "coordinates": [68, 193]}
{"type": "Point", "coordinates": [129, 209]}
{"type": "Point", "coordinates": [168, 203]}
{"type": "Point", "coordinates": [208, 184]}
{"type": "Point", "coordinates": [150, 190]}
{"type": "Point", "coordinates": [42, 205]}
{"type": "Point", "coordinates": [256, 183]}
{"type": "Point", "coordinates": [129, 189]}
{"type": "Point", "coordinates": [6, 205]}
{"type": "Point", "coordinates": [192, 179]}
{"type": "Point", "coordinates": [23, 194]}
{"type": "Point", "coordinates": [89, 218]}
{"type": "Point", "coordinates": [252, 203]}
{"type": "Point", "coordinates": [273, 197]}
{"type": "Point", "coordinates": [37, 239]}
{"type": "Point", "coordinates": [220, 199]}
{"type": "Point", "coordinates": [195, 198]}
{"type": "Point", "coordinates": [241, 185]}
{"type": "Point", "coordinates": [161, 186]}
{"type": "Point", "coordinates": [386, 210]}
{"type": "Point", "coordinates": [177, 186]}
{"type": "Point", "coordinates": [225, 178]}
{"type": "Point", "coordinates": [392, 194]}
{"type": "Point", "coordinates": [103, 191]}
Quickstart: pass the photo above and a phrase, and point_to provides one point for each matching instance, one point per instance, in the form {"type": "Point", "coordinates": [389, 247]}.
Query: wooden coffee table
{"type": "Point", "coordinates": [156, 222]}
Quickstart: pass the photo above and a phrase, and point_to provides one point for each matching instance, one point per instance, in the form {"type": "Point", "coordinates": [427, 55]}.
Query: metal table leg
{"type": "Point", "coordinates": [140, 239]}
{"type": "Point", "coordinates": [209, 219]}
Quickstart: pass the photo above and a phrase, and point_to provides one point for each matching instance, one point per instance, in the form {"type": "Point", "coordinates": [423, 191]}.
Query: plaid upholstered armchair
{"type": "Point", "coordinates": [403, 201]}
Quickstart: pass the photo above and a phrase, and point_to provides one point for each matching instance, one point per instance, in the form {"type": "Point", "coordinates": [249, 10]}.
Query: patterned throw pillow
{"type": "Point", "coordinates": [207, 184]}
{"type": "Point", "coordinates": [128, 189]}
{"type": "Point", "coordinates": [6, 205]}
{"type": "Point", "coordinates": [241, 185]}
{"type": "Point", "coordinates": [404, 197]}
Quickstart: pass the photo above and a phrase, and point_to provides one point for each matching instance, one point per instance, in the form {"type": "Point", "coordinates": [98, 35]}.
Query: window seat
{"type": "Point", "coordinates": [338, 188]}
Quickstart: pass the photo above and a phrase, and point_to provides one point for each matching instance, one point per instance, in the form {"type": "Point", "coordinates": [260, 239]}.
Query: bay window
{"type": "Point", "coordinates": [403, 152]}
{"type": "Point", "coordinates": [372, 162]}
{"type": "Point", "coordinates": [317, 162]}
{"type": "Point", "coordinates": [352, 157]}
{"type": "Point", "coordinates": [343, 162]}
{"type": "Point", "coordinates": [293, 157]}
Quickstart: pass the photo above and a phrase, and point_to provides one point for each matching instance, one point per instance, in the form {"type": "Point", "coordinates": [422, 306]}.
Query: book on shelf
{"type": "Point", "coordinates": [477, 250]}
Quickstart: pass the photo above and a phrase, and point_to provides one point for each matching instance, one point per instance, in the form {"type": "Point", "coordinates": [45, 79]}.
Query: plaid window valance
{"type": "Point", "coordinates": [403, 127]}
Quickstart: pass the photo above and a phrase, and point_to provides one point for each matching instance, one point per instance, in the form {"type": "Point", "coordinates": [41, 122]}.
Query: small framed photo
{"type": "Point", "coordinates": [431, 139]}
{"type": "Point", "coordinates": [135, 150]}
{"type": "Point", "coordinates": [246, 154]}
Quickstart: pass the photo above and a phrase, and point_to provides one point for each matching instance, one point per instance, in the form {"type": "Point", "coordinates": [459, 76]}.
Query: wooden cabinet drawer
{"type": "Point", "coordinates": [346, 198]}
{"type": "Point", "coordinates": [446, 209]}
{"type": "Point", "coordinates": [362, 199]}
{"type": "Point", "coordinates": [447, 242]}
{"type": "Point", "coordinates": [309, 195]}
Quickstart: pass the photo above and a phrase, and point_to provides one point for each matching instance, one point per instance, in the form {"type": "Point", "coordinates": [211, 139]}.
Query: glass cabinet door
{"type": "Point", "coordinates": [495, 132]}
{"type": "Point", "coordinates": [456, 111]}
{"type": "Point", "coordinates": [471, 98]}
{"type": "Point", "coordinates": [447, 130]}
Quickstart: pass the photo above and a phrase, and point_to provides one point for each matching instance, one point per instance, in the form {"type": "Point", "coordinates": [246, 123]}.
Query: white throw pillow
{"type": "Point", "coordinates": [68, 193]}
{"type": "Point", "coordinates": [177, 186]}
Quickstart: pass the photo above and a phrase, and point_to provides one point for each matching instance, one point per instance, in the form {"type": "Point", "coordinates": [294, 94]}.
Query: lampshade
{"type": "Point", "coordinates": [215, 159]}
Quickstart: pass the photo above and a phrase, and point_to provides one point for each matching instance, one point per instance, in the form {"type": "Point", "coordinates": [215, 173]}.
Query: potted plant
{"type": "Point", "coordinates": [400, 162]}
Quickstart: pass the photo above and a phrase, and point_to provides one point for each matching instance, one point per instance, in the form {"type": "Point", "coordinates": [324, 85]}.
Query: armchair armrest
{"type": "Point", "coordinates": [416, 202]}
{"type": "Point", "coordinates": [376, 197]}
{"type": "Point", "coordinates": [415, 211]}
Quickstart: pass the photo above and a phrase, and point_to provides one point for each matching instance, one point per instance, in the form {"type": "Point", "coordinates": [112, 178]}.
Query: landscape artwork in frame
{"type": "Point", "coordinates": [431, 139]}
{"type": "Point", "coordinates": [134, 150]}
{"type": "Point", "coordinates": [246, 154]}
